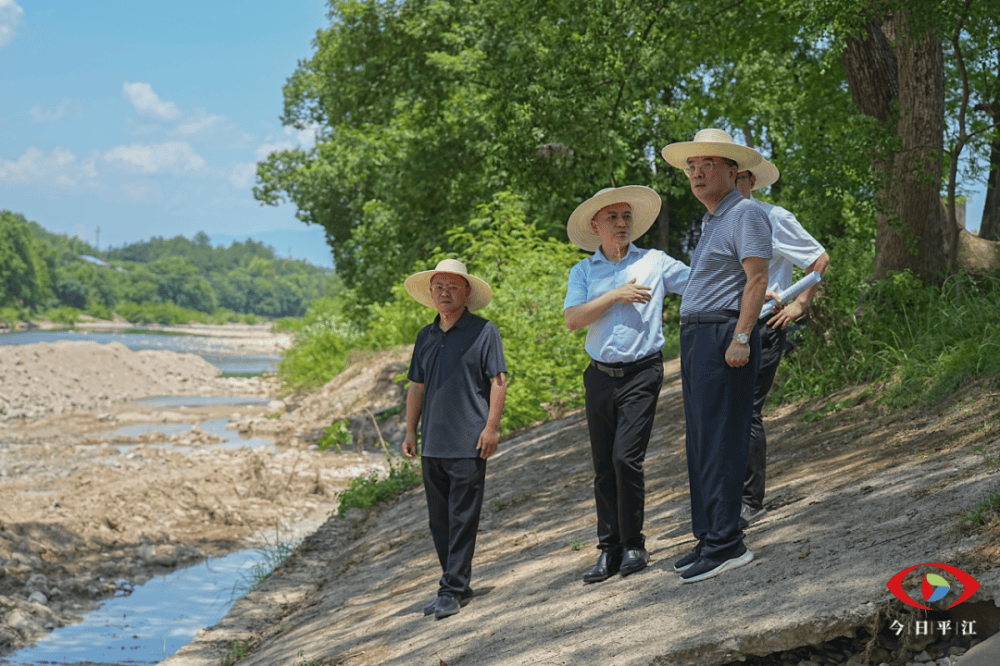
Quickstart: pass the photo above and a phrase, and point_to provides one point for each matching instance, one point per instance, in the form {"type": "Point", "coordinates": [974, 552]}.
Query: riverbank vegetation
{"type": "Point", "coordinates": [167, 281]}
{"type": "Point", "coordinates": [447, 130]}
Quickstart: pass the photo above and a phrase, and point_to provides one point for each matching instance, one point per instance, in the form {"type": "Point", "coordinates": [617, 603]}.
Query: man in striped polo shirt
{"type": "Point", "coordinates": [720, 346]}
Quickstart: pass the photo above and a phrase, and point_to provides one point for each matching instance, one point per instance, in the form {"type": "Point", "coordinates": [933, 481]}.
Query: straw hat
{"type": "Point", "coordinates": [418, 285]}
{"type": "Point", "coordinates": [645, 204]}
{"type": "Point", "coordinates": [766, 173]}
{"type": "Point", "coordinates": [711, 143]}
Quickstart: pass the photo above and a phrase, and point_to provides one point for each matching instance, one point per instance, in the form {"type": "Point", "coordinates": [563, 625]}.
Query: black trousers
{"type": "Point", "coordinates": [718, 406]}
{"type": "Point", "coordinates": [620, 413]}
{"type": "Point", "coordinates": [772, 343]}
{"type": "Point", "coordinates": [455, 488]}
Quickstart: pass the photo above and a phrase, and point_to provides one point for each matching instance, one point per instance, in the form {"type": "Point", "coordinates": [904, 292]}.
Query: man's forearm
{"type": "Point", "coordinates": [585, 314]}
{"type": "Point", "coordinates": [414, 405]}
{"type": "Point", "coordinates": [753, 294]}
{"type": "Point", "coordinates": [498, 398]}
{"type": "Point", "coordinates": [818, 266]}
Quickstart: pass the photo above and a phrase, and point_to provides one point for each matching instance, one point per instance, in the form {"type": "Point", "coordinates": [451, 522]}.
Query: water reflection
{"type": "Point", "coordinates": [148, 626]}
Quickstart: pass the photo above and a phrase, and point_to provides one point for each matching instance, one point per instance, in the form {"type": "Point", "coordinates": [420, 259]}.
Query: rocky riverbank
{"type": "Point", "coordinates": [87, 512]}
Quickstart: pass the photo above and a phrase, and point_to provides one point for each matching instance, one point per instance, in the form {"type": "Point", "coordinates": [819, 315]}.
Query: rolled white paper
{"type": "Point", "coordinates": [792, 292]}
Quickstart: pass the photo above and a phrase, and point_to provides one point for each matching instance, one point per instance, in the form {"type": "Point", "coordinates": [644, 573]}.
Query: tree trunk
{"type": "Point", "coordinates": [913, 230]}
{"type": "Point", "coordinates": [989, 228]}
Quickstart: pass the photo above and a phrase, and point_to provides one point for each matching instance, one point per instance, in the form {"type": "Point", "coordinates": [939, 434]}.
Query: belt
{"type": "Point", "coordinates": [624, 369]}
{"type": "Point", "coordinates": [713, 317]}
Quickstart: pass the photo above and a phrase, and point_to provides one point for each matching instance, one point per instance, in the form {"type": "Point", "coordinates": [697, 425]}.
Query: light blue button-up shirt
{"type": "Point", "coordinates": [626, 332]}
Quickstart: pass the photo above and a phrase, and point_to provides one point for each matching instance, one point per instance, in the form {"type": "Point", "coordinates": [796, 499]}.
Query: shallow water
{"type": "Point", "coordinates": [150, 624]}
{"type": "Point", "coordinates": [211, 349]}
{"type": "Point", "coordinates": [234, 440]}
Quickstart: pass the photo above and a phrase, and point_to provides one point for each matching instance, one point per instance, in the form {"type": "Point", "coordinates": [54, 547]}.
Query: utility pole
{"type": "Point", "coordinates": [98, 241]}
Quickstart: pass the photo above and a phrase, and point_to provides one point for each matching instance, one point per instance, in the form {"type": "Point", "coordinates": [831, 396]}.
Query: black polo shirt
{"type": "Point", "coordinates": [455, 368]}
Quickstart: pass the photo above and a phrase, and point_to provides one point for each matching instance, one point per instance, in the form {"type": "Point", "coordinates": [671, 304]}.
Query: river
{"type": "Point", "coordinates": [216, 351]}
{"type": "Point", "coordinates": [158, 618]}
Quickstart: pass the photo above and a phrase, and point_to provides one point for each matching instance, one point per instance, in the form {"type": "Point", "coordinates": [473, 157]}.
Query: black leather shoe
{"type": "Point", "coordinates": [606, 567]}
{"type": "Point", "coordinates": [447, 606]}
{"type": "Point", "coordinates": [635, 559]}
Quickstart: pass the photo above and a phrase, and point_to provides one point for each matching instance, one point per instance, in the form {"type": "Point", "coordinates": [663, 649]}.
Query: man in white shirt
{"type": "Point", "coordinates": [617, 294]}
{"type": "Point", "coordinates": [792, 246]}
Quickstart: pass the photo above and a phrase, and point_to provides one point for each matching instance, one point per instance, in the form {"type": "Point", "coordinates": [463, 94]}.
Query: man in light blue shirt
{"type": "Point", "coordinates": [617, 293]}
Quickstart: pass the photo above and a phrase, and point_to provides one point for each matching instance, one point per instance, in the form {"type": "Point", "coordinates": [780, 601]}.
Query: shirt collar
{"type": "Point", "coordinates": [598, 256]}
{"type": "Point", "coordinates": [726, 204]}
{"type": "Point", "coordinates": [462, 322]}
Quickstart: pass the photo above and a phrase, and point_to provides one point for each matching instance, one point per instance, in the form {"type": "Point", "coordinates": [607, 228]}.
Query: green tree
{"type": "Point", "coordinates": [24, 273]}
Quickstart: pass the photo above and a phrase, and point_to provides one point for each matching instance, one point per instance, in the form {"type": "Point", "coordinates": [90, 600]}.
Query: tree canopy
{"type": "Point", "coordinates": [426, 109]}
{"type": "Point", "coordinates": [46, 270]}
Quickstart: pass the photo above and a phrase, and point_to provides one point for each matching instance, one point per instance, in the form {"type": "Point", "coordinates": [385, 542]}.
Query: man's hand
{"type": "Point", "coordinates": [737, 355]}
{"type": "Point", "coordinates": [630, 292]}
{"type": "Point", "coordinates": [410, 445]}
{"type": "Point", "coordinates": [489, 440]}
{"type": "Point", "coordinates": [786, 315]}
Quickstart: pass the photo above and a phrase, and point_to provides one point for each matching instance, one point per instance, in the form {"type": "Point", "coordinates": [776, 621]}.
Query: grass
{"type": "Point", "coordinates": [367, 490]}
{"type": "Point", "coordinates": [985, 511]}
{"type": "Point", "coordinates": [240, 649]}
{"type": "Point", "coordinates": [271, 557]}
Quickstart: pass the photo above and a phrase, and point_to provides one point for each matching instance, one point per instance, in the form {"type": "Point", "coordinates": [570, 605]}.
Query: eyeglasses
{"type": "Point", "coordinates": [450, 288]}
{"type": "Point", "coordinates": [692, 169]}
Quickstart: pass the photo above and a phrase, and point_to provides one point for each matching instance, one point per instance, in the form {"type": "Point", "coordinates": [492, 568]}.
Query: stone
{"type": "Point", "coordinates": [986, 653]}
{"type": "Point", "coordinates": [37, 597]}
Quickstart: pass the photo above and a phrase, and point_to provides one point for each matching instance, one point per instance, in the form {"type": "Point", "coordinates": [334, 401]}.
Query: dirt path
{"type": "Point", "coordinates": [853, 497]}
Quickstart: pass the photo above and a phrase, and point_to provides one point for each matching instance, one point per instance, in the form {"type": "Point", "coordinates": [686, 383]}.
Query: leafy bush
{"type": "Point", "coordinates": [336, 435]}
{"type": "Point", "coordinates": [367, 490]}
{"type": "Point", "coordinates": [62, 315]}
{"type": "Point", "coordinates": [10, 316]}
{"type": "Point", "coordinates": [151, 312]}
{"type": "Point", "coordinates": [99, 311]}
{"type": "Point", "coordinates": [921, 341]}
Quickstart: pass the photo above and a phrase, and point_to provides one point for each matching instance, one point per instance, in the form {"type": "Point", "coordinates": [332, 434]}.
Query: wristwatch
{"type": "Point", "coordinates": [743, 338]}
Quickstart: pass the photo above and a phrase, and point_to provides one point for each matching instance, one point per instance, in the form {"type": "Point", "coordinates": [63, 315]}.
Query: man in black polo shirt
{"type": "Point", "coordinates": [458, 389]}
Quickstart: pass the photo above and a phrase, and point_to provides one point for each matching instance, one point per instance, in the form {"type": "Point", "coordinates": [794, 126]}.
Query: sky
{"type": "Point", "coordinates": [142, 119]}
{"type": "Point", "coordinates": [121, 120]}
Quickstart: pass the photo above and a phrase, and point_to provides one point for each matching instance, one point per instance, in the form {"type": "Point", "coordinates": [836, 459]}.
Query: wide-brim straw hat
{"type": "Point", "coordinates": [711, 143]}
{"type": "Point", "coordinates": [644, 202]}
{"type": "Point", "coordinates": [418, 285]}
{"type": "Point", "coordinates": [766, 173]}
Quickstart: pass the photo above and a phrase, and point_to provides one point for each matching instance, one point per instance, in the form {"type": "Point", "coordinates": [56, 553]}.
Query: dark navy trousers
{"type": "Point", "coordinates": [620, 413]}
{"type": "Point", "coordinates": [718, 406]}
{"type": "Point", "coordinates": [772, 342]}
{"type": "Point", "coordinates": [455, 488]}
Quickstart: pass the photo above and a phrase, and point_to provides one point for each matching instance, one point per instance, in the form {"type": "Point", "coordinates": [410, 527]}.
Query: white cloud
{"type": "Point", "coordinates": [265, 149]}
{"type": "Point", "coordinates": [243, 176]}
{"type": "Point", "coordinates": [143, 191]}
{"type": "Point", "coordinates": [10, 17]}
{"type": "Point", "coordinates": [176, 157]}
{"type": "Point", "coordinates": [305, 134]}
{"type": "Point", "coordinates": [59, 167]}
{"type": "Point", "coordinates": [202, 123]}
{"type": "Point", "coordinates": [147, 102]}
{"type": "Point", "coordinates": [68, 109]}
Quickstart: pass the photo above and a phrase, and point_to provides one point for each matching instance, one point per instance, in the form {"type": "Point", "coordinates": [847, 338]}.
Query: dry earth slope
{"type": "Point", "coordinates": [854, 497]}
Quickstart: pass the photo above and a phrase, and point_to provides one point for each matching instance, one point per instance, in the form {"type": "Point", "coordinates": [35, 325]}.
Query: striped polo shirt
{"type": "Point", "coordinates": [738, 229]}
